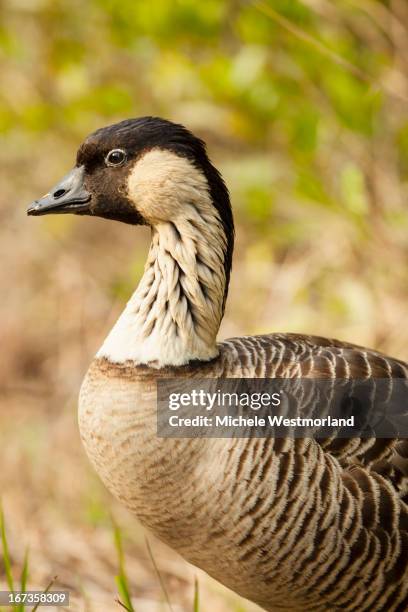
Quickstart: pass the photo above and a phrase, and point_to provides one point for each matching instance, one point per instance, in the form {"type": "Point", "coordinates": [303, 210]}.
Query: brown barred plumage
{"type": "Point", "coordinates": [290, 524]}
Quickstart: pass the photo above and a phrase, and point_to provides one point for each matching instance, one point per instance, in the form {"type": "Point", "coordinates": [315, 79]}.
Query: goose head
{"type": "Point", "coordinates": [140, 171]}
{"type": "Point", "coordinates": [155, 173]}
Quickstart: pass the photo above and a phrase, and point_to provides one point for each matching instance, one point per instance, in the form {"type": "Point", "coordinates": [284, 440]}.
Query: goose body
{"type": "Point", "coordinates": [291, 524]}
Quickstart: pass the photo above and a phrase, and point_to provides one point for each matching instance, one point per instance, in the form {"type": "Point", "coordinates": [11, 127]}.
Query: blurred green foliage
{"type": "Point", "coordinates": [303, 104]}
{"type": "Point", "coordinates": [70, 66]}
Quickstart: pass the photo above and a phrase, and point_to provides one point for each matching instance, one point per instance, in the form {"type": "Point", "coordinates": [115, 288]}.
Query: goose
{"type": "Point", "coordinates": [288, 523]}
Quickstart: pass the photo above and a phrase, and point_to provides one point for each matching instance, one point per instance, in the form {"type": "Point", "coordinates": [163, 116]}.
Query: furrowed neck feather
{"type": "Point", "coordinates": [175, 313]}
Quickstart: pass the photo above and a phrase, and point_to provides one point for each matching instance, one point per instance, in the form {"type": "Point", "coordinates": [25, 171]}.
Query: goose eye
{"type": "Point", "coordinates": [116, 157]}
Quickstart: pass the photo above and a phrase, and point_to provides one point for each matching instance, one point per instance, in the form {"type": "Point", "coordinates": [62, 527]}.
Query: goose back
{"type": "Point", "coordinates": [295, 524]}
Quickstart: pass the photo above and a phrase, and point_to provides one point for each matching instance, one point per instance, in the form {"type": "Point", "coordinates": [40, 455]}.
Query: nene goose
{"type": "Point", "coordinates": [291, 524]}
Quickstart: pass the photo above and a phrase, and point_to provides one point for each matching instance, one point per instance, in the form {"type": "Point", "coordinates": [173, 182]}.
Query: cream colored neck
{"type": "Point", "coordinates": [174, 315]}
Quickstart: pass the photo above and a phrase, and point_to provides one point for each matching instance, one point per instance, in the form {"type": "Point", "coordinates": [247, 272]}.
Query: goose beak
{"type": "Point", "coordinates": [68, 196]}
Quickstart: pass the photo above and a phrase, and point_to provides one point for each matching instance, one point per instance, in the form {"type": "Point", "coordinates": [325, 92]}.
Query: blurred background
{"type": "Point", "coordinates": [304, 106]}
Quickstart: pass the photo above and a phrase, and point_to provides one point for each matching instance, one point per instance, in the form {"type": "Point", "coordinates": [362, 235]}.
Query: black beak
{"type": "Point", "coordinates": [69, 196]}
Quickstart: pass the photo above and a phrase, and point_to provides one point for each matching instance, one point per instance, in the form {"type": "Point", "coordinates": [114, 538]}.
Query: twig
{"type": "Point", "coordinates": [47, 588]}
{"type": "Point", "coordinates": [159, 576]}
{"type": "Point", "coordinates": [288, 25]}
{"type": "Point", "coordinates": [123, 605]}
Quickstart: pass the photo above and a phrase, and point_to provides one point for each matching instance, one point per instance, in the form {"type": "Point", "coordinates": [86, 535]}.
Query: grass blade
{"type": "Point", "coordinates": [159, 576]}
{"type": "Point", "coordinates": [196, 603]}
{"type": "Point", "coordinates": [23, 580]}
{"type": "Point", "coordinates": [6, 554]}
{"type": "Point", "coordinates": [123, 589]}
{"type": "Point", "coordinates": [122, 579]}
{"type": "Point", "coordinates": [24, 572]}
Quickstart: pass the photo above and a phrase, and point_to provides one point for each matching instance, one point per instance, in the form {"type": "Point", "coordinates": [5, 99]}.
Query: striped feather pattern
{"type": "Point", "coordinates": [292, 524]}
